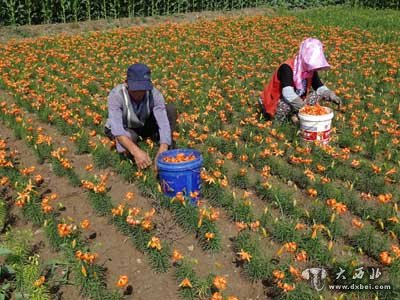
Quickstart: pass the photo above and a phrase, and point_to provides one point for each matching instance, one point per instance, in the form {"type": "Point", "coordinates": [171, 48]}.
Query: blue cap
{"type": "Point", "coordinates": [139, 78]}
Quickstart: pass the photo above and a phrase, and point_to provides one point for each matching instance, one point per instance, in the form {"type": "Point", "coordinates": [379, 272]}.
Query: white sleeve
{"type": "Point", "coordinates": [289, 94]}
{"type": "Point", "coordinates": [321, 90]}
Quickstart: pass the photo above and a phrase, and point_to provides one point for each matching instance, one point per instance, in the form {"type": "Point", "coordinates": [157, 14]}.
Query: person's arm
{"type": "Point", "coordinates": [115, 115]}
{"type": "Point", "coordinates": [316, 82]}
{"type": "Point", "coordinates": [285, 76]}
{"type": "Point", "coordinates": [160, 114]}
{"type": "Point", "coordinates": [323, 91]}
{"type": "Point", "coordinates": [128, 144]}
{"type": "Point", "coordinates": [122, 136]}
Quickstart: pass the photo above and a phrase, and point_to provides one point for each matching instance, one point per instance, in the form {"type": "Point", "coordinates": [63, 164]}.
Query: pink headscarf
{"type": "Point", "coordinates": [309, 59]}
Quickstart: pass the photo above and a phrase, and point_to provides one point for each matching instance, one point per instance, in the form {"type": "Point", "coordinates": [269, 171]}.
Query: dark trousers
{"type": "Point", "coordinates": [151, 129]}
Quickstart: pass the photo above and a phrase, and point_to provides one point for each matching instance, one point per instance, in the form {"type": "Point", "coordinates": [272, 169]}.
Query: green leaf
{"type": "Point", "coordinates": [56, 261]}
{"type": "Point", "coordinates": [5, 251]}
{"type": "Point", "coordinates": [4, 288]}
{"type": "Point", "coordinates": [19, 296]}
{"type": "Point", "coordinates": [8, 269]}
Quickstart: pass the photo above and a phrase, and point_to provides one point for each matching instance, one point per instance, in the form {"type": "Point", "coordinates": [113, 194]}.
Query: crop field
{"type": "Point", "coordinates": [81, 222]}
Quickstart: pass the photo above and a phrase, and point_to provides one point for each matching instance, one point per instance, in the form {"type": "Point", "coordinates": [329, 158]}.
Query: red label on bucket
{"type": "Point", "coordinates": [316, 135]}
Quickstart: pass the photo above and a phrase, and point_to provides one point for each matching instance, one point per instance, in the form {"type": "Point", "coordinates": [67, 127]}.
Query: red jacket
{"type": "Point", "coordinates": [272, 92]}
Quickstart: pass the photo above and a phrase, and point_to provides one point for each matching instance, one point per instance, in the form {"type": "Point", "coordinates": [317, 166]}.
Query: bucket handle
{"type": "Point", "coordinates": [166, 187]}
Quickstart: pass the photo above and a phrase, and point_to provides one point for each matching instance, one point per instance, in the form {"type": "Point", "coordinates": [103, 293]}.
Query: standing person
{"type": "Point", "coordinates": [137, 109]}
{"type": "Point", "coordinates": [288, 90]}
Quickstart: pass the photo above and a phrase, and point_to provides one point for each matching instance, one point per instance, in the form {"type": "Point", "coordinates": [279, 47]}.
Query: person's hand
{"type": "Point", "coordinates": [331, 96]}
{"type": "Point", "coordinates": [297, 103]}
{"type": "Point", "coordinates": [142, 159]}
{"type": "Point", "coordinates": [335, 99]}
{"type": "Point", "coordinates": [163, 148]}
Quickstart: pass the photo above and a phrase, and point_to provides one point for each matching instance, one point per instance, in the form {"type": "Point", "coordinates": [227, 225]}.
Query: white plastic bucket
{"type": "Point", "coordinates": [316, 128]}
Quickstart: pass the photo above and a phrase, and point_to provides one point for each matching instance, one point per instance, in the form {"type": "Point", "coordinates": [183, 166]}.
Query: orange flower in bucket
{"type": "Point", "coordinates": [314, 110]}
{"type": "Point", "coordinates": [179, 158]}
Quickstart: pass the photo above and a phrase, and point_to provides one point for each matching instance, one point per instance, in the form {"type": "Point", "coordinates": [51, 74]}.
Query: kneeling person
{"type": "Point", "coordinates": [137, 109]}
{"type": "Point", "coordinates": [288, 89]}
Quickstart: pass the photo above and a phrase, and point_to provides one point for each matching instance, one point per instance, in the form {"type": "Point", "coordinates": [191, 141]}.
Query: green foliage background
{"type": "Point", "coordinates": [20, 12]}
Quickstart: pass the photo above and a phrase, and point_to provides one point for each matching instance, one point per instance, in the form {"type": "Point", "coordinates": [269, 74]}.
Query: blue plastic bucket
{"type": "Point", "coordinates": [180, 177]}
